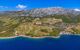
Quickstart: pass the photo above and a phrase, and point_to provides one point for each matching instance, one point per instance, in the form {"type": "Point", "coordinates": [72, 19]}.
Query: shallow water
{"type": "Point", "coordinates": [65, 42]}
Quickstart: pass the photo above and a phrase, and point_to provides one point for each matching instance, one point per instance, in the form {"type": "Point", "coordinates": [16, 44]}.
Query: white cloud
{"type": "Point", "coordinates": [21, 6]}
{"type": "Point", "coordinates": [77, 9]}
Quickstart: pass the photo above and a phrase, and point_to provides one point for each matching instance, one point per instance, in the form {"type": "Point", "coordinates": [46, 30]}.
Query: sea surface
{"type": "Point", "coordinates": [65, 42]}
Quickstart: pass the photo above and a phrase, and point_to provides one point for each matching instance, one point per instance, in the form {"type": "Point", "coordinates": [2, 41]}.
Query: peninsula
{"type": "Point", "coordinates": [39, 22]}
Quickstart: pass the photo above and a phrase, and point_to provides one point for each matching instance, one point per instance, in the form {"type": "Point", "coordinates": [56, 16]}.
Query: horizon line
{"type": "Point", "coordinates": [40, 8]}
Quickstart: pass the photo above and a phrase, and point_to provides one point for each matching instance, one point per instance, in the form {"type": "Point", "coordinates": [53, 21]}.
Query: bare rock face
{"type": "Point", "coordinates": [40, 12]}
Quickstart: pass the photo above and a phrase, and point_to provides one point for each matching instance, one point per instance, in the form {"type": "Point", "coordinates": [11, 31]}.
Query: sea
{"type": "Point", "coordinates": [65, 42]}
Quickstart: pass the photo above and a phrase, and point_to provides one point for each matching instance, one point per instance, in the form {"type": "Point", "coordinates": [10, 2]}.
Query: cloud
{"type": "Point", "coordinates": [77, 9]}
{"type": "Point", "coordinates": [21, 6]}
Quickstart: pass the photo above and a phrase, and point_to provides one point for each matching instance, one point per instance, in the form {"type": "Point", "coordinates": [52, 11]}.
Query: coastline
{"type": "Point", "coordinates": [37, 37]}
{"type": "Point", "coordinates": [8, 37]}
{"type": "Point", "coordinates": [29, 37]}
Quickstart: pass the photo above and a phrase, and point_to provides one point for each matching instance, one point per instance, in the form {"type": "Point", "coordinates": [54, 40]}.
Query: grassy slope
{"type": "Point", "coordinates": [26, 25]}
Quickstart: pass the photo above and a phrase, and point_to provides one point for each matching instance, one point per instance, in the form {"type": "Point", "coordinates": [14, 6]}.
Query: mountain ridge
{"type": "Point", "coordinates": [40, 12]}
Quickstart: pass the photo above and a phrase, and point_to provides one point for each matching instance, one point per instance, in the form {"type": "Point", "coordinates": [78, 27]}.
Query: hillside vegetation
{"type": "Point", "coordinates": [17, 23]}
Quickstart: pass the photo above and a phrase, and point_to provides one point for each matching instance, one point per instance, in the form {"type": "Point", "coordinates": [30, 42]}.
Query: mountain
{"type": "Point", "coordinates": [40, 12]}
{"type": "Point", "coordinates": [51, 11]}
{"type": "Point", "coordinates": [40, 22]}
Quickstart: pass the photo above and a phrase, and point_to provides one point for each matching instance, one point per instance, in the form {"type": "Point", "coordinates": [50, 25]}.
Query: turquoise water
{"type": "Point", "coordinates": [65, 42]}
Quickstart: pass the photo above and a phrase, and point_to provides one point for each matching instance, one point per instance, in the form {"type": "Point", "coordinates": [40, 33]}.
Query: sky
{"type": "Point", "coordinates": [31, 4]}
